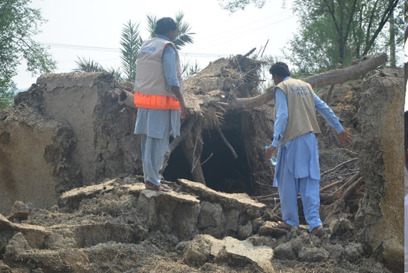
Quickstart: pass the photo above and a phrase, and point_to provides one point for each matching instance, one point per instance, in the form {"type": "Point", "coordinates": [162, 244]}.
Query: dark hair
{"type": "Point", "coordinates": [280, 69]}
{"type": "Point", "coordinates": [165, 24]}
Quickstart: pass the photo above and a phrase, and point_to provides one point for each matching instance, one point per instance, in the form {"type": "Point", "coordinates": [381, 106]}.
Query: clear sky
{"type": "Point", "coordinates": [92, 29]}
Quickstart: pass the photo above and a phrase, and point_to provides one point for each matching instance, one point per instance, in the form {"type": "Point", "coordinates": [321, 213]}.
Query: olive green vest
{"type": "Point", "coordinates": [301, 109]}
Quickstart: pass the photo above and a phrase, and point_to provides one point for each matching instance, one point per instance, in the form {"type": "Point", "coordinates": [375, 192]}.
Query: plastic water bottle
{"type": "Point", "coordinates": [274, 160]}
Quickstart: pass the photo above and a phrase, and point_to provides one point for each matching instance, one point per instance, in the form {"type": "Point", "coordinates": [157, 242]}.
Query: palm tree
{"type": "Point", "coordinates": [188, 70]}
{"type": "Point", "coordinates": [84, 65]}
{"type": "Point", "coordinates": [130, 42]}
{"type": "Point", "coordinates": [183, 35]}
{"type": "Point", "coordinates": [89, 65]}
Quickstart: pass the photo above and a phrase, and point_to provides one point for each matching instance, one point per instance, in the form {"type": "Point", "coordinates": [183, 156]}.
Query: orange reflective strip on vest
{"type": "Point", "coordinates": [155, 101]}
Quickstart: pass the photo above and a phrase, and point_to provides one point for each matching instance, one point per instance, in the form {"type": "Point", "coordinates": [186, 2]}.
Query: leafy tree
{"type": "Point", "coordinates": [7, 96]}
{"type": "Point", "coordinates": [379, 13]}
{"type": "Point", "coordinates": [234, 5]}
{"type": "Point", "coordinates": [335, 32]}
{"type": "Point", "coordinates": [266, 62]}
{"type": "Point", "coordinates": [18, 25]}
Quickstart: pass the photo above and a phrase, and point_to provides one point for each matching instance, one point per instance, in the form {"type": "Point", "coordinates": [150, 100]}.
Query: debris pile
{"type": "Point", "coordinates": [118, 226]}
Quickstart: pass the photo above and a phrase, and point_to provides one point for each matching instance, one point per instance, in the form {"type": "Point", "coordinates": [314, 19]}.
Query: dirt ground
{"type": "Point", "coordinates": [107, 231]}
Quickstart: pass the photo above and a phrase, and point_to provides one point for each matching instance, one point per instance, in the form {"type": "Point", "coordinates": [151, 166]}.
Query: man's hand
{"type": "Point", "coordinates": [184, 112]}
{"type": "Point", "coordinates": [345, 138]}
{"type": "Point", "coordinates": [126, 98]}
{"type": "Point", "coordinates": [179, 96]}
{"type": "Point", "coordinates": [271, 150]}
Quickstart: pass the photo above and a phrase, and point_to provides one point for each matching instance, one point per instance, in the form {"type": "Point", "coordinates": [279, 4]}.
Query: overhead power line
{"type": "Point", "coordinates": [237, 34]}
{"type": "Point", "coordinates": [92, 48]}
{"type": "Point", "coordinates": [110, 49]}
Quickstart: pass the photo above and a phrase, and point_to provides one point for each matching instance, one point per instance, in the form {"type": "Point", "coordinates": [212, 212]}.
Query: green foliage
{"type": "Point", "coordinates": [188, 70]}
{"type": "Point", "coordinates": [406, 11]}
{"type": "Point", "coordinates": [265, 77]}
{"type": "Point", "coordinates": [18, 24]}
{"type": "Point", "coordinates": [131, 43]}
{"type": "Point", "coordinates": [151, 24]}
{"type": "Point", "coordinates": [84, 65]}
{"type": "Point", "coordinates": [7, 96]}
{"type": "Point", "coordinates": [335, 32]}
{"type": "Point", "coordinates": [234, 5]}
{"type": "Point", "coordinates": [89, 65]}
{"type": "Point", "coordinates": [183, 35]}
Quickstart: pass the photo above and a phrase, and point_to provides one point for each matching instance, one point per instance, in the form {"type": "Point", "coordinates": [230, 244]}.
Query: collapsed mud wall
{"type": "Point", "coordinates": [67, 130]}
{"type": "Point", "coordinates": [381, 162]}
{"type": "Point", "coordinates": [32, 152]}
{"type": "Point", "coordinates": [105, 146]}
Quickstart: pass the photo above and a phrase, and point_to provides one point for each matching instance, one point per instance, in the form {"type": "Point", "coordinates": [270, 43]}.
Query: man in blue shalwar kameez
{"type": "Point", "coordinates": [297, 170]}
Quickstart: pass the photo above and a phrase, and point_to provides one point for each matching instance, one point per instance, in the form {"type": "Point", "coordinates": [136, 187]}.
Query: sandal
{"type": "Point", "coordinates": [281, 225]}
{"type": "Point", "coordinates": [318, 231]}
{"type": "Point", "coordinates": [153, 187]}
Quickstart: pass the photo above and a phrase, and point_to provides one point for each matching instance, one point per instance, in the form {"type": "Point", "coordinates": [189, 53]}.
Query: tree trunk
{"type": "Point", "coordinates": [359, 68]}
{"type": "Point", "coordinates": [393, 62]}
